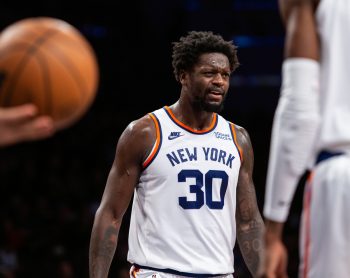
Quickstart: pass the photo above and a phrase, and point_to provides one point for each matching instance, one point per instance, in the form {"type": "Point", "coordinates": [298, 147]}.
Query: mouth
{"type": "Point", "coordinates": [215, 96]}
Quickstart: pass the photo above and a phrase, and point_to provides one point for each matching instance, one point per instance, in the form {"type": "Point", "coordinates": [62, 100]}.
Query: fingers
{"type": "Point", "coordinates": [275, 275]}
{"type": "Point", "coordinates": [18, 124]}
{"type": "Point", "coordinates": [276, 260]}
{"type": "Point", "coordinates": [17, 113]}
{"type": "Point", "coordinates": [38, 128]}
{"type": "Point", "coordinates": [282, 268]}
{"type": "Point", "coordinates": [271, 272]}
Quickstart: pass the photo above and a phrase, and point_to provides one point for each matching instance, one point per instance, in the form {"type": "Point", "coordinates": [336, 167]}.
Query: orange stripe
{"type": "Point", "coordinates": [307, 204]}
{"type": "Point", "coordinates": [212, 124]}
{"type": "Point", "coordinates": [155, 149]}
{"type": "Point", "coordinates": [134, 272]}
{"type": "Point", "coordinates": [235, 139]}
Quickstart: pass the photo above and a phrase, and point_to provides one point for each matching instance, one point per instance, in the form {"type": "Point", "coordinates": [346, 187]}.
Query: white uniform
{"type": "Point", "coordinates": [325, 231]}
{"type": "Point", "coordinates": [183, 213]}
{"type": "Point", "coordinates": [333, 21]}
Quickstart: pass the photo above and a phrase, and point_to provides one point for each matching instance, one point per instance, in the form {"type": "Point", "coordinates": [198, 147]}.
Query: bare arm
{"type": "Point", "coordinates": [132, 148]}
{"type": "Point", "coordinates": [250, 226]}
{"type": "Point", "coordinates": [301, 38]}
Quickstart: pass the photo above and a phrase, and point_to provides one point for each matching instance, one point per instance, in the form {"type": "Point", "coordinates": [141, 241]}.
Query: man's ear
{"type": "Point", "coordinates": [183, 77]}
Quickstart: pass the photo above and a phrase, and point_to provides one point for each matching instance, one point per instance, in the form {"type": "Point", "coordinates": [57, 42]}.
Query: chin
{"type": "Point", "coordinates": [213, 107]}
{"type": "Point", "coordinates": [208, 106]}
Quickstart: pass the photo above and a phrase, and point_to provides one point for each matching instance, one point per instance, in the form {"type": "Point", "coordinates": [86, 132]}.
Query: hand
{"type": "Point", "coordinates": [21, 123]}
{"type": "Point", "coordinates": [276, 257]}
{"type": "Point", "coordinates": [276, 260]}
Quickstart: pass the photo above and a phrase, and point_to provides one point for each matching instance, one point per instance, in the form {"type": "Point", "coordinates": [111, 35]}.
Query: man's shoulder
{"type": "Point", "coordinates": [145, 123]}
{"type": "Point", "coordinates": [139, 135]}
{"type": "Point", "coordinates": [238, 130]}
{"type": "Point", "coordinates": [141, 125]}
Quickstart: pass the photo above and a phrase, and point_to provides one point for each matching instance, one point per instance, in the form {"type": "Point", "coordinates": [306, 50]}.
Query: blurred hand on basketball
{"type": "Point", "coordinates": [51, 64]}
{"type": "Point", "coordinates": [21, 123]}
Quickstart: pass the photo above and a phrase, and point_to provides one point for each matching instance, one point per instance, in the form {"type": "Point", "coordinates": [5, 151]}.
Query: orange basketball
{"type": "Point", "coordinates": [48, 62]}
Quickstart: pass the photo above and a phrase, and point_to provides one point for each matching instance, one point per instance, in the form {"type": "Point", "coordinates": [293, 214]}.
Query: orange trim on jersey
{"type": "Point", "coordinates": [307, 227]}
{"type": "Point", "coordinates": [235, 140]}
{"type": "Point", "coordinates": [134, 272]}
{"type": "Point", "coordinates": [212, 124]}
{"type": "Point", "coordinates": [157, 144]}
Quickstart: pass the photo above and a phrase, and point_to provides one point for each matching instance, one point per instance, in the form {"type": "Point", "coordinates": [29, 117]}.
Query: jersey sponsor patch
{"type": "Point", "coordinates": [222, 136]}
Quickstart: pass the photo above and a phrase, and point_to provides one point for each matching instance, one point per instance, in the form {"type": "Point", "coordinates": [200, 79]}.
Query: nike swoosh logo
{"type": "Point", "coordinates": [172, 137]}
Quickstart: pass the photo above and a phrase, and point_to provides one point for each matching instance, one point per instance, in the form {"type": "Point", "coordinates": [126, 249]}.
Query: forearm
{"type": "Point", "coordinates": [274, 230]}
{"type": "Point", "coordinates": [250, 236]}
{"type": "Point", "coordinates": [295, 128]}
{"type": "Point", "coordinates": [276, 255]}
{"type": "Point", "coordinates": [103, 243]}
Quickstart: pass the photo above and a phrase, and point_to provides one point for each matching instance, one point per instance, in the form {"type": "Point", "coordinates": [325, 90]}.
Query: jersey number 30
{"type": "Point", "coordinates": [197, 188]}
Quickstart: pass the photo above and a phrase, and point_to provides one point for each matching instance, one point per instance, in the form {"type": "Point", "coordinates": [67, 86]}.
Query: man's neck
{"type": "Point", "coordinates": [191, 116]}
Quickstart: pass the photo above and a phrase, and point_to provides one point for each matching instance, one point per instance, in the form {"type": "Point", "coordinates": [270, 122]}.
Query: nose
{"type": "Point", "coordinates": [218, 79]}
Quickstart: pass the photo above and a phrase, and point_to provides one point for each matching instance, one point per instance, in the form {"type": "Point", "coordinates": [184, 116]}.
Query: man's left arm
{"type": "Point", "coordinates": [250, 225]}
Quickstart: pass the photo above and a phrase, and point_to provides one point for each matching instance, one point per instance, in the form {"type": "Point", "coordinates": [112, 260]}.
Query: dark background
{"type": "Point", "coordinates": [50, 189]}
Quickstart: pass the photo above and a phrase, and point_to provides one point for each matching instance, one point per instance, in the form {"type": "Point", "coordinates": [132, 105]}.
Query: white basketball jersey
{"type": "Point", "coordinates": [333, 18]}
{"type": "Point", "coordinates": [183, 213]}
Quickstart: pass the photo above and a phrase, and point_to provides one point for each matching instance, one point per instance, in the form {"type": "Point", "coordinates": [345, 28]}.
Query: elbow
{"type": "Point", "coordinates": [248, 224]}
{"type": "Point", "coordinates": [109, 216]}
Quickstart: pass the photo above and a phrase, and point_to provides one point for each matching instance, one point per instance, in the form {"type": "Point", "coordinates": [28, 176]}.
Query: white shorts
{"type": "Point", "coordinates": [325, 226]}
{"type": "Point", "coordinates": [148, 273]}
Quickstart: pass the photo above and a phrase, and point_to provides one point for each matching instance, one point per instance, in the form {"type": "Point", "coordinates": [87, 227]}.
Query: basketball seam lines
{"type": "Point", "coordinates": [47, 82]}
{"type": "Point", "coordinates": [67, 63]}
{"type": "Point", "coordinates": [21, 65]}
{"type": "Point", "coordinates": [18, 46]}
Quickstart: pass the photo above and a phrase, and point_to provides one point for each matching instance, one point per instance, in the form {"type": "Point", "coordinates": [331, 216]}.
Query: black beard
{"type": "Point", "coordinates": [200, 104]}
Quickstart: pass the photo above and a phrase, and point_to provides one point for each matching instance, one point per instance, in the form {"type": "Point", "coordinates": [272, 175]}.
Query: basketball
{"type": "Point", "coordinates": [48, 62]}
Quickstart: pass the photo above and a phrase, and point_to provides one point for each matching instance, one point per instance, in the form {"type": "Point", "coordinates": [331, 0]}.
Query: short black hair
{"type": "Point", "coordinates": [188, 49]}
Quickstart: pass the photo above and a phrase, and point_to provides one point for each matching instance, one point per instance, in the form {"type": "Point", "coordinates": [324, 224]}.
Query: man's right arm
{"type": "Point", "coordinates": [297, 115]}
{"type": "Point", "coordinates": [132, 148]}
{"type": "Point", "coordinates": [295, 124]}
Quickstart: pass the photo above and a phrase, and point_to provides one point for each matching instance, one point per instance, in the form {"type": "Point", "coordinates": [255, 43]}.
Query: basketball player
{"type": "Point", "coordinates": [21, 123]}
{"type": "Point", "coordinates": [191, 174]}
{"type": "Point", "coordinates": [311, 131]}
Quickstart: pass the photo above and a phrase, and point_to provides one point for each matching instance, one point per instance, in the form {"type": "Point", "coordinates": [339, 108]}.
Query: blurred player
{"type": "Point", "coordinates": [190, 171]}
{"type": "Point", "coordinates": [311, 131]}
{"type": "Point", "coordinates": [21, 123]}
